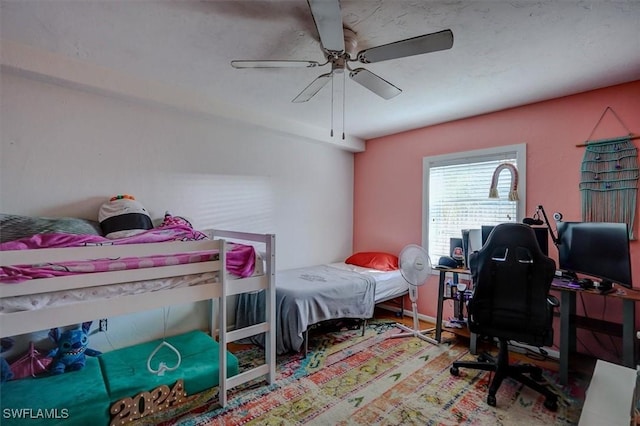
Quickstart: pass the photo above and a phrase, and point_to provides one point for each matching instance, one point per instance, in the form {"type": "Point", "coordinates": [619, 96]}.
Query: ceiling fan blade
{"type": "Point", "coordinates": [274, 64]}
{"type": "Point", "coordinates": [376, 84]}
{"type": "Point", "coordinates": [313, 88]}
{"type": "Point", "coordinates": [328, 19]}
{"type": "Point", "coordinates": [434, 42]}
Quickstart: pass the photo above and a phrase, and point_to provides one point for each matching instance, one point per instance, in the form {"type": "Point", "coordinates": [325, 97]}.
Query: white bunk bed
{"type": "Point", "coordinates": [218, 286]}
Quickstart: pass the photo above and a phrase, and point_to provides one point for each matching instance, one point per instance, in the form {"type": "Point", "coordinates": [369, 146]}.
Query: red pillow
{"type": "Point", "coordinates": [373, 259]}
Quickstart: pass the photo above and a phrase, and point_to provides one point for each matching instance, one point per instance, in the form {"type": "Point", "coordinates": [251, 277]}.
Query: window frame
{"type": "Point", "coordinates": [462, 157]}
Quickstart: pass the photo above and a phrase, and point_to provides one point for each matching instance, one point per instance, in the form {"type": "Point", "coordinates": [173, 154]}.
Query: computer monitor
{"type": "Point", "coordinates": [596, 249]}
{"type": "Point", "coordinates": [471, 241]}
{"type": "Point", "coordinates": [542, 235]}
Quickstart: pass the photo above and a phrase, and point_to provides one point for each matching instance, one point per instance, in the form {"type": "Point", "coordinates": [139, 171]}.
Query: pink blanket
{"type": "Point", "coordinates": [240, 257]}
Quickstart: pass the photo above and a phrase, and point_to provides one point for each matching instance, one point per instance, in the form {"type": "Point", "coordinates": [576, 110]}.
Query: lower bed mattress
{"type": "Point", "coordinates": [125, 370]}
{"type": "Point", "coordinates": [85, 396]}
{"type": "Point", "coordinates": [74, 398]}
{"type": "Point", "coordinates": [310, 295]}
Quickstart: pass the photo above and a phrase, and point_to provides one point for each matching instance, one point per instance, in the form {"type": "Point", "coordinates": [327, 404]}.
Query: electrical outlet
{"type": "Point", "coordinates": [102, 325]}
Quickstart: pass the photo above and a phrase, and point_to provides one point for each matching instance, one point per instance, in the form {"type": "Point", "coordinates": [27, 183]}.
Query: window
{"type": "Point", "coordinates": [456, 194]}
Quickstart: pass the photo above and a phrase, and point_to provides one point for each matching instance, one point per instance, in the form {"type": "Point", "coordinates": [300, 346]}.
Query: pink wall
{"type": "Point", "coordinates": [388, 175]}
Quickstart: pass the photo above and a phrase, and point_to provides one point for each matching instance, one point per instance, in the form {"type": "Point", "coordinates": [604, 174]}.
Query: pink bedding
{"type": "Point", "coordinates": [240, 257]}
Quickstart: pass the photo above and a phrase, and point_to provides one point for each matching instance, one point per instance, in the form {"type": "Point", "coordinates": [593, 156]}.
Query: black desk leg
{"type": "Point", "coordinates": [567, 332]}
{"type": "Point", "coordinates": [628, 338]}
{"type": "Point", "coordinates": [440, 306]}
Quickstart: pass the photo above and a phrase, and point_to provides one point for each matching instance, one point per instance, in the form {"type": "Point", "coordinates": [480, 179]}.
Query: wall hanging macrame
{"type": "Point", "coordinates": [609, 179]}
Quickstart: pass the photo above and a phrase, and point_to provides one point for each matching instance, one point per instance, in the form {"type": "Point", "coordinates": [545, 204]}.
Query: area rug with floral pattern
{"type": "Point", "coordinates": [373, 379]}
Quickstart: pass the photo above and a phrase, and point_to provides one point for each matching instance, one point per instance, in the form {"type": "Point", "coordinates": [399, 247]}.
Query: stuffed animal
{"type": "Point", "coordinates": [123, 216]}
{"type": "Point", "coordinates": [72, 349]}
{"type": "Point", "coordinates": [5, 370]}
{"type": "Point", "coordinates": [30, 364]}
{"type": "Point", "coordinates": [171, 220]}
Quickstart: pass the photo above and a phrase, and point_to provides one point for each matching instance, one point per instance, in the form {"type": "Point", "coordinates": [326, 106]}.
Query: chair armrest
{"type": "Point", "coordinates": [553, 301]}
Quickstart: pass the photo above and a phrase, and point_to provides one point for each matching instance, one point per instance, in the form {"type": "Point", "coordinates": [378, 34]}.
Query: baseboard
{"type": "Point", "coordinates": [422, 317]}
{"type": "Point", "coordinates": [407, 312]}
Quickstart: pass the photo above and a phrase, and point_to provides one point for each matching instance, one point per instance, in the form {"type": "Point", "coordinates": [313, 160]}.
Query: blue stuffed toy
{"type": "Point", "coordinates": [72, 349]}
{"type": "Point", "coordinates": [5, 369]}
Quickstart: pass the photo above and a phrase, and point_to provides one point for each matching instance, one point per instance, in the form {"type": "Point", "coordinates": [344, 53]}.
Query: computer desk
{"type": "Point", "coordinates": [569, 321]}
{"type": "Point", "coordinates": [443, 274]}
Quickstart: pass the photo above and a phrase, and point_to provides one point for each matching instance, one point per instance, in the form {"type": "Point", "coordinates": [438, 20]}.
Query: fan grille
{"type": "Point", "coordinates": [414, 264]}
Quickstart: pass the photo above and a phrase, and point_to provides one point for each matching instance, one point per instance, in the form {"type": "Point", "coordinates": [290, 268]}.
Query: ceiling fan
{"type": "Point", "coordinates": [339, 45]}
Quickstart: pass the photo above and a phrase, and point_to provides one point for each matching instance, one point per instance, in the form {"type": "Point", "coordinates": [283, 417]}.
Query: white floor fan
{"type": "Point", "coordinates": [415, 266]}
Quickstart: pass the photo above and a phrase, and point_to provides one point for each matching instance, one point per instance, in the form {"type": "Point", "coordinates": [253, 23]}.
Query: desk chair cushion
{"type": "Point", "coordinates": [512, 278]}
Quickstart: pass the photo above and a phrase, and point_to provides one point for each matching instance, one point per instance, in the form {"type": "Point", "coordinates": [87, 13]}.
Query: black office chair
{"type": "Point", "coordinates": [511, 280]}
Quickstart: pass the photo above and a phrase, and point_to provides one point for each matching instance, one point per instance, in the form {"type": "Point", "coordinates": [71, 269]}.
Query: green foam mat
{"type": "Point", "coordinates": [125, 370]}
{"type": "Point", "coordinates": [72, 398]}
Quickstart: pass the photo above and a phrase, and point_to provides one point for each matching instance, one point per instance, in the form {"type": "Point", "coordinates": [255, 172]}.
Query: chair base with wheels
{"type": "Point", "coordinates": [503, 369]}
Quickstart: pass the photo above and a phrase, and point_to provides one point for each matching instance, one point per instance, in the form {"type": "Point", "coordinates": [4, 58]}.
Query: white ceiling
{"type": "Point", "coordinates": [505, 53]}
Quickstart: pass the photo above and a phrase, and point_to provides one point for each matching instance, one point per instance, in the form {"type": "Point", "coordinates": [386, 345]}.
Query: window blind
{"type": "Point", "coordinates": [459, 199]}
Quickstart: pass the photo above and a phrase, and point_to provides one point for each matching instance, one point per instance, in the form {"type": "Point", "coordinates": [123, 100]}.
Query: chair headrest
{"type": "Point", "coordinates": [514, 234]}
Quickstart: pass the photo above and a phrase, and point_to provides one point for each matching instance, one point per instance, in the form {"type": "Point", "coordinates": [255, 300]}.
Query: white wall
{"type": "Point", "coordinates": [65, 151]}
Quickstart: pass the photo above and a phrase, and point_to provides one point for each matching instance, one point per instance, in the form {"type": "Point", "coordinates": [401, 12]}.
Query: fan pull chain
{"type": "Point", "coordinates": [331, 104]}
{"type": "Point", "coordinates": [344, 99]}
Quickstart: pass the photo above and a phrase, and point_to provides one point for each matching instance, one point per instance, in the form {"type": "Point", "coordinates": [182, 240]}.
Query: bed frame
{"type": "Point", "coordinates": [363, 321]}
{"type": "Point", "coordinates": [42, 319]}
{"type": "Point", "coordinates": [306, 298]}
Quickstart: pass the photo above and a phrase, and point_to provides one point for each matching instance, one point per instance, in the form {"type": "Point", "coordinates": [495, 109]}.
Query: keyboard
{"type": "Point", "coordinates": [565, 284]}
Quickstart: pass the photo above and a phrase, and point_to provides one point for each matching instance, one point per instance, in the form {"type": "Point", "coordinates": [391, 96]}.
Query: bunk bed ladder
{"type": "Point", "coordinates": [267, 284]}
{"type": "Point", "coordinates": [222, 327]}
